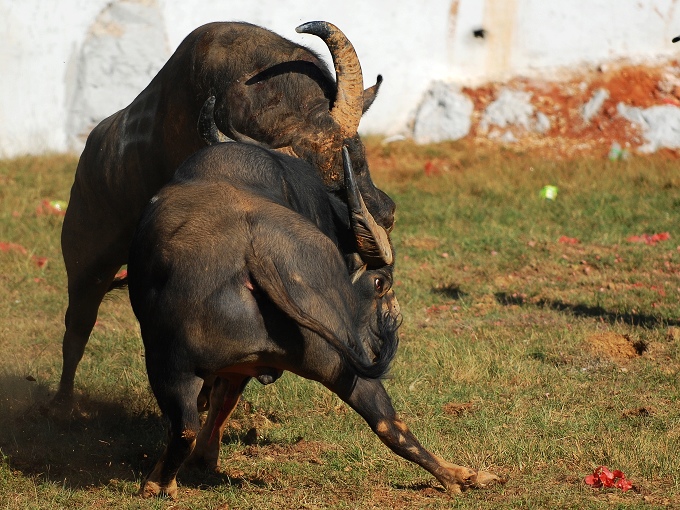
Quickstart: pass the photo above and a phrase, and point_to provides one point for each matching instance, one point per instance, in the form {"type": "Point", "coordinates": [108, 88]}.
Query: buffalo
{"type": "Point", "coordinates": [245, 266]}
{"type": "Point", "coordinates": [268, 89]}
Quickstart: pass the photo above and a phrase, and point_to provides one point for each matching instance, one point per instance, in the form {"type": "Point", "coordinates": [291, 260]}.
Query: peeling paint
{"type": "Point", "coordinates": [124, 48]}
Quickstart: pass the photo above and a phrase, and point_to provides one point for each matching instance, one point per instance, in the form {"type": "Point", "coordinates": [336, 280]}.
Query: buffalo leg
{"type": "Point", "coordinates": [93, 251]}
{"type": "Point", "coordinates": [85, 295]}
{"type": "Point", "coordinates": [370, 400]}
{"type": "Point", "coordinates": [177, 400]}
{"type": "Point", "coordinates": [224, 396]}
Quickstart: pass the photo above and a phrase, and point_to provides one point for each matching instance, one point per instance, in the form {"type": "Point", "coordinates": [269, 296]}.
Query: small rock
{"type": "Point", "coordinates": [660, 125]}
{"type": "Point", "coordinates": [444, 114]}
{"type": "Point", "coordinates": [508, 137]}
{"type": "Point", "coordinates": [592, 107]}
{"type": "Point", "coordinates": [512, 113]}
{"type": "Point", "coordinates": [542, 123]}
{"type": "Point", "coordinates": [511, 108]}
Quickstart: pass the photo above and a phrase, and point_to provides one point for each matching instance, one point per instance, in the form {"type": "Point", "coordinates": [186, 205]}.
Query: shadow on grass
{"type": "Point", "coordinates": [101, 441]}
{"type": "Point", "coordinates": [593, 312]}
{"type": "Point", "coordinates": [450, 291]}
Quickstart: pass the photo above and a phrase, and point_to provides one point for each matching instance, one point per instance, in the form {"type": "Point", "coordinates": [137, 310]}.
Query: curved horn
{"type": "Point", "coordinates": [356, 266]}
{"type": "Point", "coordinates": [372, 240]}
{"type": "Point", "coordinates": [349, 102]}
{"type": "Point", "coordinates": [207, 128]}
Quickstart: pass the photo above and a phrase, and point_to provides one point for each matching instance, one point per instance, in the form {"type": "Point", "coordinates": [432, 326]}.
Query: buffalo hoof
{"type": "Point", "coordinates": [151, 489]}
{"type": "Point", "coordinates": [63, 407]}
{"type": "Point", "coordinates": [203, 461]}
{"type": "Point", "coordinates": [484, 479]}
{"type": "Point", "coordinates": [457, 479]}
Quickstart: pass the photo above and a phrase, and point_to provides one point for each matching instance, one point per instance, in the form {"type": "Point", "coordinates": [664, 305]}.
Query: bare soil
{"type": "Point", "coordinates": [615, 346]}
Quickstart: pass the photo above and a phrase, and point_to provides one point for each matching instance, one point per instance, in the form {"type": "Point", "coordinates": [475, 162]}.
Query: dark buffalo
{"type": "Point", "coordinates": [243, 267]}
{"type": "Point", "coordinates": [268, 89]}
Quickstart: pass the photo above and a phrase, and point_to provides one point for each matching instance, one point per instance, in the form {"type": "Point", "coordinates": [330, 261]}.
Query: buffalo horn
{"type": "Point", "coordinates": [356, 266]}
{"type": "Point", "coordinates": [373, 243]}
{"type": "Point", "coordinates": [206, 124]}
{"type": "Point", "coordinates": [349, 102]}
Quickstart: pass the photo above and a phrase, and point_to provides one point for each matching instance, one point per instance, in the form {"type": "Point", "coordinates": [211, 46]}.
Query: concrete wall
{"type": "Point", "coordinates": [66, 65]}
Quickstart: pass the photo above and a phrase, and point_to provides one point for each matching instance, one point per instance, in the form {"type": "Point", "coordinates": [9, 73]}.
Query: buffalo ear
{"type": "Point", "coordinates": [300, 269]}
{"type": "Point", "coordinates": [370, 93]}
{"type": "Point", "coordinates": [302, 272]}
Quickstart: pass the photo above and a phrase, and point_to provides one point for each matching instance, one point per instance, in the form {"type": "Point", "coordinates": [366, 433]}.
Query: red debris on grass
{"type": "Point", "coordinates": [603, 477]}
{"type": "Point", "coordinates": [7, 247]}
{"type": "Point", "coordinates": [41, 262]}
{"type": "Point", "coordinates": [650, 239]}
{"type": "Point", "coordinates": [434, 309]}
{"type": "Point", "coordinates": [431, 168]}
{"type": "Point", "coordinates": [568, 240]}
{"type": "Point", "coordinates": [120, 275]}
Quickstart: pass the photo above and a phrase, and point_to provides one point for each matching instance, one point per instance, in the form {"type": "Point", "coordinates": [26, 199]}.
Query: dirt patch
{"type": "Point", "coordinates": [639, 412]}
{"type": "Point", "coordinates": [300, 451]}
{"type": "Point", "coordinates": [615, 346]}
{"type": "Point", "coordinates": [673, 334]}
{"type": "Point", "coordinates": [457, 408]}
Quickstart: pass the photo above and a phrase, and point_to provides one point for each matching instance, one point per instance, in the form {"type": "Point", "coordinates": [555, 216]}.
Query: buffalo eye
{"type": "Point", "coordinates": [379, 285]}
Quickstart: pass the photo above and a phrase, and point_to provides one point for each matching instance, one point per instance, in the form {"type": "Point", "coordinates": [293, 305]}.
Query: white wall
{"type": "Point", "coordinates": [52, 87]}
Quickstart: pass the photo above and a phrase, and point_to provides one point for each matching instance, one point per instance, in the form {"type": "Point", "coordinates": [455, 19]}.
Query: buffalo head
{"type": "Point", "coordinates": [326, 116]}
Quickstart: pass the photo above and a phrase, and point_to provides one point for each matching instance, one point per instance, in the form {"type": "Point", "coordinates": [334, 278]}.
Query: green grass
{"type": "Point", "coordinates": [507, 361]}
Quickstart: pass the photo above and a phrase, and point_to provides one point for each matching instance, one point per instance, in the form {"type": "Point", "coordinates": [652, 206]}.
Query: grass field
{"type": "Point", "coordinates": [541, 339]}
